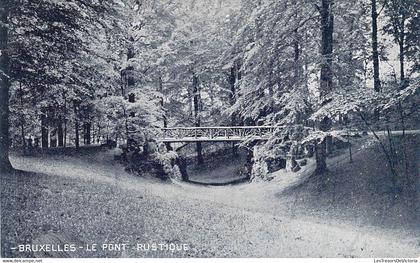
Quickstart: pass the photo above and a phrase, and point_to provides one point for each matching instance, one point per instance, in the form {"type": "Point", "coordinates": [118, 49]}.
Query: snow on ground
{"type": "Point", "coordinates": [92, 198]}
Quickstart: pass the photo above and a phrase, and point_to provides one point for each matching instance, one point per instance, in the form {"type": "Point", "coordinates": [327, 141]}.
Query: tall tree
{"type": "Point", "coordinates": [401, 13]}
{"type": "Point", "coordinates": [4, 87]}
{"type": "Point", "coordinates": [197, 115]}
{"type": "Point", "coordinates": [326, 76]}
{"type": "Point", "coordinates": [327, 27]}
{"type": "Point", "coordinates": [375, 53]}
{"type": "Point", "coordinates": [272, 56]}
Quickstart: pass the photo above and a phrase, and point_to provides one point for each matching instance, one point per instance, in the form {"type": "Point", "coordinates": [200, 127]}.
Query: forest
{"type": "Point", "coordinates": [80, 74]}
{"type": "Point", "coordinates": [94, 70]}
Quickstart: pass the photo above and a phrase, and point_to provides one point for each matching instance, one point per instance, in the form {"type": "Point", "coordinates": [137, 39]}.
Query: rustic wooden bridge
{"type": "Point", "coordinates": [217, 134]}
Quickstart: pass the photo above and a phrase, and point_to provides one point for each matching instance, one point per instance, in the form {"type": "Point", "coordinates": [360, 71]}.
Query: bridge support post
{"type": "Point", "coordinates": [182, 165]}
{"type": "Point", "coordinates": [249, 162]}
{"type": "Point", "coordinates": [200, 158]}
{"type": "Point", "coordinates": [168, 146]}
{"type": "Point", "coordinates": [234, 149]}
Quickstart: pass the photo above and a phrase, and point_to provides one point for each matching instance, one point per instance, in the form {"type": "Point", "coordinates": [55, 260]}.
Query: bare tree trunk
{"type": "Point", "coordinates": [327, 29]}
{"type": "Point", "coordinates": [320, 157]}
{"type": "Point", "coordinates": [127, 130]}
{"type": "Point", "coordinates": [53, 137]}
{"type": "Point", "coordinates": [65, 133]}
{"type": "Point", "coordinates": [232, 99]}
{"type": "Point", "coordinates": [60, 134]}
{"type": "Point", "coordinates": [375, 53]}
{"type": "Point", "coordinates": [321, 148]}
{"type": "Point", "coordinates": [162, 103]}
{"type": "Point", "coordinates": [297, 52]}
{"type": "Point", "coordinates": [329, 145]}
{"type": "Point", "coordinates": [22, 117]}
{"type": "Point", "coordinates": [197, 120]}
{"type": "Point", "coordinates": [232, 83]}
{"type": "Point", "coordinates": [44, 129]}
{"type": "Point", "coordinates": [76, 132]}
{"type": "Point", "coordinates": [5, 164]}
{"type": "Point", "coordinates": [298, 67]}
{"type": "Point", "coordinates": [401, 55]}
{"type": "Point", "coordinates": [65, 120]}
{"type": "Point", "coordinates": [87, 133]}
{"type": "Point", "coordinates": [238, 71]}
{"type": "Point", "coordinates": [98, 138]}
{"type": "Point", "coordinates": [350, 151]}
{"type": "Point", "coordinates": [326, 77]}
{"type": "Point", "coordinates": [93, 133]}
{"type": "Point", "coordinates": [76, 123]}
{"type": "Point", "coordinates": [22, 134]}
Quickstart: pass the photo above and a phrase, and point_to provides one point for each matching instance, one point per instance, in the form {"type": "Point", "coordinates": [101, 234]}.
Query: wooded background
{"type": "Point", "coordinates": [84, 71]}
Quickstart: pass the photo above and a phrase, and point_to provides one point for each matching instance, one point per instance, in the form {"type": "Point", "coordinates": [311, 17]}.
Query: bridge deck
{"type": "Point", "coordinates": [217, 134]}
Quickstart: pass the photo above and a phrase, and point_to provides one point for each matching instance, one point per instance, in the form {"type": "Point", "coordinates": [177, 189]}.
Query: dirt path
{"type": "Point", "coordinates": [94, 199]}
{"type": "Point", "coordinates": [219, 170]}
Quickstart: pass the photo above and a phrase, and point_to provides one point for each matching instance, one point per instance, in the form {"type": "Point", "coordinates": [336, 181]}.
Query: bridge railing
{"type": "Point", "coordinates": [218, 133]}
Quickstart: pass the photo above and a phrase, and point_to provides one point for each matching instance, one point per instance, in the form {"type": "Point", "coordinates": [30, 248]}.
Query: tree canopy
{"type": "Point", "coordinates": [96, 70]}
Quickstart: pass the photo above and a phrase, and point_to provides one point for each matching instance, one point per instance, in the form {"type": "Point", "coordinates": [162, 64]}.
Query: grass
{"type": "Point", "coordinates": [89, 197]}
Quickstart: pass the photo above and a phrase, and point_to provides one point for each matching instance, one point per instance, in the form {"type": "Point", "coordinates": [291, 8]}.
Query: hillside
{"type": "Point", "coordinates": [92, 199]}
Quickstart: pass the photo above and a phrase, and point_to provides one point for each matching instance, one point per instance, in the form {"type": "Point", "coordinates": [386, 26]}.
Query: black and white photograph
{"type": "Point", "coordinates": [221, 129]}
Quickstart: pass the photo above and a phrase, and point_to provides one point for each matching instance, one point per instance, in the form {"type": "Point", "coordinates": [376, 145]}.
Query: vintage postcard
{"type": "Point", "coordinates": [223, 129]}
